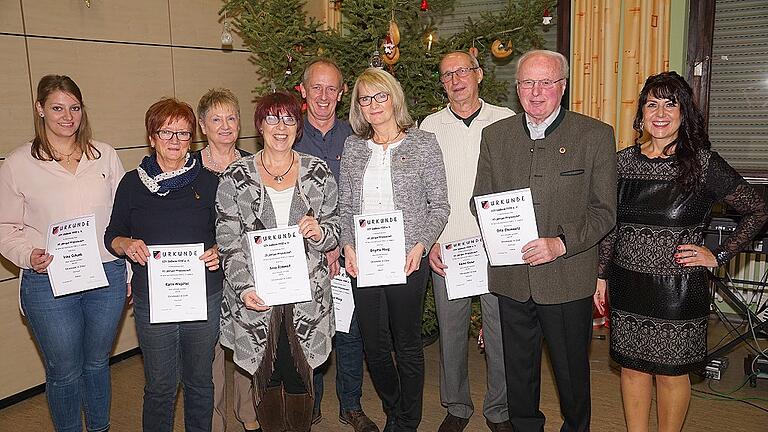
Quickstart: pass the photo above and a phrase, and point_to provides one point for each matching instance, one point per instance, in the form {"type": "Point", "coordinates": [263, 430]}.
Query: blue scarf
{"type": "Point", "coordinates": [160, 182]}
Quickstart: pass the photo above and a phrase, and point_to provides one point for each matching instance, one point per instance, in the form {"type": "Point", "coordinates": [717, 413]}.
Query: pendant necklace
{"type": "Point", "coordinates": [278, 178]}
{"type": "Point", "coordinates": [68, 156]}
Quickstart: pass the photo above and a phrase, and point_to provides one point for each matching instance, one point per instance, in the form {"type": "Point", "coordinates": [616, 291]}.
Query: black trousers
{"type": "Point", "coordinates": [567, 328]}
{"type": "Point", "coordinates": [285, 371]}
{"type": "Point", "coordinates": [390, 317]}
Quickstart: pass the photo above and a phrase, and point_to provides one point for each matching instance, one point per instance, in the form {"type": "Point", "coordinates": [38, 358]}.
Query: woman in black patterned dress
{"type": "Point", "coordinates": [654, 261]}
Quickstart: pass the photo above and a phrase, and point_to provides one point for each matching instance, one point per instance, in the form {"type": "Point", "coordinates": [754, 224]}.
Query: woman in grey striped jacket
{"type": "Point", "coordinates": [390, 165]}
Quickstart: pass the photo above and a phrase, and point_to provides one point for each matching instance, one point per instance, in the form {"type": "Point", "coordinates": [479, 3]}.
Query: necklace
{"type": "Point", "coordinates": [68, 156]}
{"type": "Point", "coordinates": [281, 177]}
{"type": "Point", "coordinates": [388, 141]}
{"type": "Point", "coordinates": [215, 165]}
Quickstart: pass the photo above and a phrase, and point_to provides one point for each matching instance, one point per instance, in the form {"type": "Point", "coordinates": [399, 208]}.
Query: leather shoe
{"type": "Point", "coordinates": [451, 423]}
{"type": "Point", "coordinates": [504, 426]}
{"type": "Point", "coordinates": [358, 420]}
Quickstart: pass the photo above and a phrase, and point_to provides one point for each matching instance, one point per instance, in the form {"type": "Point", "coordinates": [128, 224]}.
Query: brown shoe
{"type": "Point", "coordinates": [451, 423]}
{"type": "Point", "coordinates": [504, 426]}
{"type": "Point", "coordinates": [358, 420]}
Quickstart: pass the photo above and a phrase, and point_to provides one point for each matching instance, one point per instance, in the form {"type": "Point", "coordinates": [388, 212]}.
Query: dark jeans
{"type": "Point", "coordinates": [390, 317]}
{"type": "Point", "coordinates": [172, 351]}
{"type": "Point", "coordinates": [567, 328]}
{"type": "Point", "coordinates": [75, 333]}
{"type": "Point", "coordinates": [349, 369]}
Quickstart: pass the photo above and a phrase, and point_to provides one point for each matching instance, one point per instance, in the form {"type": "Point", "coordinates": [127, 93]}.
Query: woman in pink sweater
{"type": "Point", "coordinates": [60, 175]}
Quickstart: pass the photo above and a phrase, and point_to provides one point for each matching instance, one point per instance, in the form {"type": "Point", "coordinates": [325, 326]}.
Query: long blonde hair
{"type": "Point", "coordinates": [378, 80]}
{"type": "Point", "coordinates": [41, 146]}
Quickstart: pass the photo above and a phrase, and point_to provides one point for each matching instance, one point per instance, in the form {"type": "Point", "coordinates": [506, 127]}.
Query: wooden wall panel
{"type": "Point", "coordinates": [198, 70]}
{"type": "Point", "coordinates": [132, 157]}
{"type": "Point", "coordinates": [197, 23]}
{"type": "Point", "coordinates": [10, 19]}
{"type": "Point", "coordinates": [119, 82]}
{"type": "Point", "coordinates": [20, 365]}
{"type": "Point", "coordinates": [104, 20]}
{"type": "Point", "coordinates": [15, 94]}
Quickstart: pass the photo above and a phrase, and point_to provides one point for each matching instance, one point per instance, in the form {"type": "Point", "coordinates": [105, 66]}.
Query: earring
{"type": "Point", "coordinates": [641, 125]}
{"type": "Point", "coordinates": [42, 115]}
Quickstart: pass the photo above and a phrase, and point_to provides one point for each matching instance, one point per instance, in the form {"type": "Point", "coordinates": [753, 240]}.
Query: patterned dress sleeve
{"type": "Point", "coordinates": [725, 184]}
{"type": "Point", "coordinates": [605, 251]}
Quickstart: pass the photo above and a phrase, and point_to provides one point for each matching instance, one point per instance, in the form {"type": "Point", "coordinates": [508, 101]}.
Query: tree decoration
{"type": "Point", "coordinates": [501, 49]}
{"type": "Point", "coordinates": [473, 51]}
{"type": "Point", "coordinates": [376, 60]}
{"type": "Point", "coordinates": [289, 68]}
{"type": "Point", "coordinates": [547, 18]}
{"type": "Point", "coordinates": [424, 6]}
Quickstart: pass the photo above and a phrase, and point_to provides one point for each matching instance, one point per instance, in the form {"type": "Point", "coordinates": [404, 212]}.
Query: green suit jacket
{"type": "Point", "coordinates": [572, 176]}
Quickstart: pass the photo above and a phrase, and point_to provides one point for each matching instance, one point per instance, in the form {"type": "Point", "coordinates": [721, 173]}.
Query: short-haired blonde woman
{"type": "Point", "coordinates": [218, 114]}
{"type": "Point", "coordinates": [391, 165]}
{"type": "Point", "coordinates": [170, 199]}
{"type": "Point", "coordinates": [60, 175]}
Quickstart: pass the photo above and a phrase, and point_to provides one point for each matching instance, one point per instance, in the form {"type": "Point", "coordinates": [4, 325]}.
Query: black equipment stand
{"type": "Point", "coordinates": [757, 323]}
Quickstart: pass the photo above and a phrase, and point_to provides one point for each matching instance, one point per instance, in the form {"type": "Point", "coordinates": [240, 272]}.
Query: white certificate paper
{"type": "Point", "coordinates": [279, 262]}
{"type": "Point", "coordinates": [507, 222]}
{"type": "Point", "coordinates": [176, 283]}
{"type": "Point", "coordinates": [466, 274]}
{"type": "Point", "coordinates": [380, 240]}
{"type": "Point", "coordinates": [343, 301]}
{"type": "Point", "coordinates": [76, 264]}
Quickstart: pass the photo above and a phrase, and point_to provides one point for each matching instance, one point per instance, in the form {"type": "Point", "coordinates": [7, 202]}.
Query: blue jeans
{"type": "Point", "coordinates": [172, 351]}
{"type": "Point", "coordinates": [75, 333]}
{"type": "Point", "coordinates": [349, 370]}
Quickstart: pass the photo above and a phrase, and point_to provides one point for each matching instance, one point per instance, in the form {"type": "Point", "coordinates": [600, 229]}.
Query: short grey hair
{"type": "Point", "coordinates": [472, 59]}
{"type": "Point", "coordinates": [217, 97]}
{"type": "Point", "coordinates": [545, 53]}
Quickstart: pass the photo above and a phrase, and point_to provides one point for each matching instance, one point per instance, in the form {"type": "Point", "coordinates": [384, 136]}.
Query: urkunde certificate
{"type": "Point", "coordinates": [380, 240]}
{"type": "Point", "coordinates": [76, 264]}
{"type": "Point", "coordinates": [176, 283]}
{"type": "Point", "coordinates": [507, 222]}
{"type": "Point", "coordinates": [466, 272]}
{"type": "Point", "coordinates": [343, 301]}
{"type": "Point", "coordinates": [279, 262]}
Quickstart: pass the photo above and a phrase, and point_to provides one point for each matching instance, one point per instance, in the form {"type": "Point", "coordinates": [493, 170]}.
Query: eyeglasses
{"type": "Point", "coordinates": [461, 72]}
{"type": "Point", "coordinates": [545, 83]}
{"type": "Point", "coordinates": [379, 97]}
{"type": "Point", "coordinates": [180, 135]}
{"type": "Point", "coordinates": [287, 120]}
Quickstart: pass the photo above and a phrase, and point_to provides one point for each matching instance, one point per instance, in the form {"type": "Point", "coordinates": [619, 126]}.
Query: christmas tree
{"type": "Point", "coordinates": [393, 32]}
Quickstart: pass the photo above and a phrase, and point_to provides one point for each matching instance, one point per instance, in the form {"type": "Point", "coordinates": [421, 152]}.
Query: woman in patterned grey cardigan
{"type": "Point", "coordinates": [390, 165]}
{"type": "Point", "coordinates": [279, 345]}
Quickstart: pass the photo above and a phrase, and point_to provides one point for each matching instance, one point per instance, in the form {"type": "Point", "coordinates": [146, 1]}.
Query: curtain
{"type": "Point", "coordinates": [616, 45]}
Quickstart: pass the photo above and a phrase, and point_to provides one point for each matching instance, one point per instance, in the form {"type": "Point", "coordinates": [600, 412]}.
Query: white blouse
{"type": "Point", "coordinates": [281, 204]}
{"type": "Point", "coordinates": [378, 195]}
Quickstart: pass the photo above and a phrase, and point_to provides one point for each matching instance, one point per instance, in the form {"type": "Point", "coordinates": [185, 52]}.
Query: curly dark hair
{"type": "Point", "coordinates": [691, 137]}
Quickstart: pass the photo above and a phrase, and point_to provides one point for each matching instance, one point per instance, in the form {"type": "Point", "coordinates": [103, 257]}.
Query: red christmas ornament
{"type": "Point", "coordinates": [424, 5]}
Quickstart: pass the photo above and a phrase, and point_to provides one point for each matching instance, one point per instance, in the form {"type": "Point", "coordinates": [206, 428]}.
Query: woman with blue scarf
{"type": "Point", "coordinates": [169, 199]}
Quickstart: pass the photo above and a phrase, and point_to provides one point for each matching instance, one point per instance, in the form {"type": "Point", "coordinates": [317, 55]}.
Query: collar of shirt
{"type": "Point", "coordinates": [537, 130]}
{"type": "Point", "coordinates": [468, 120]}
